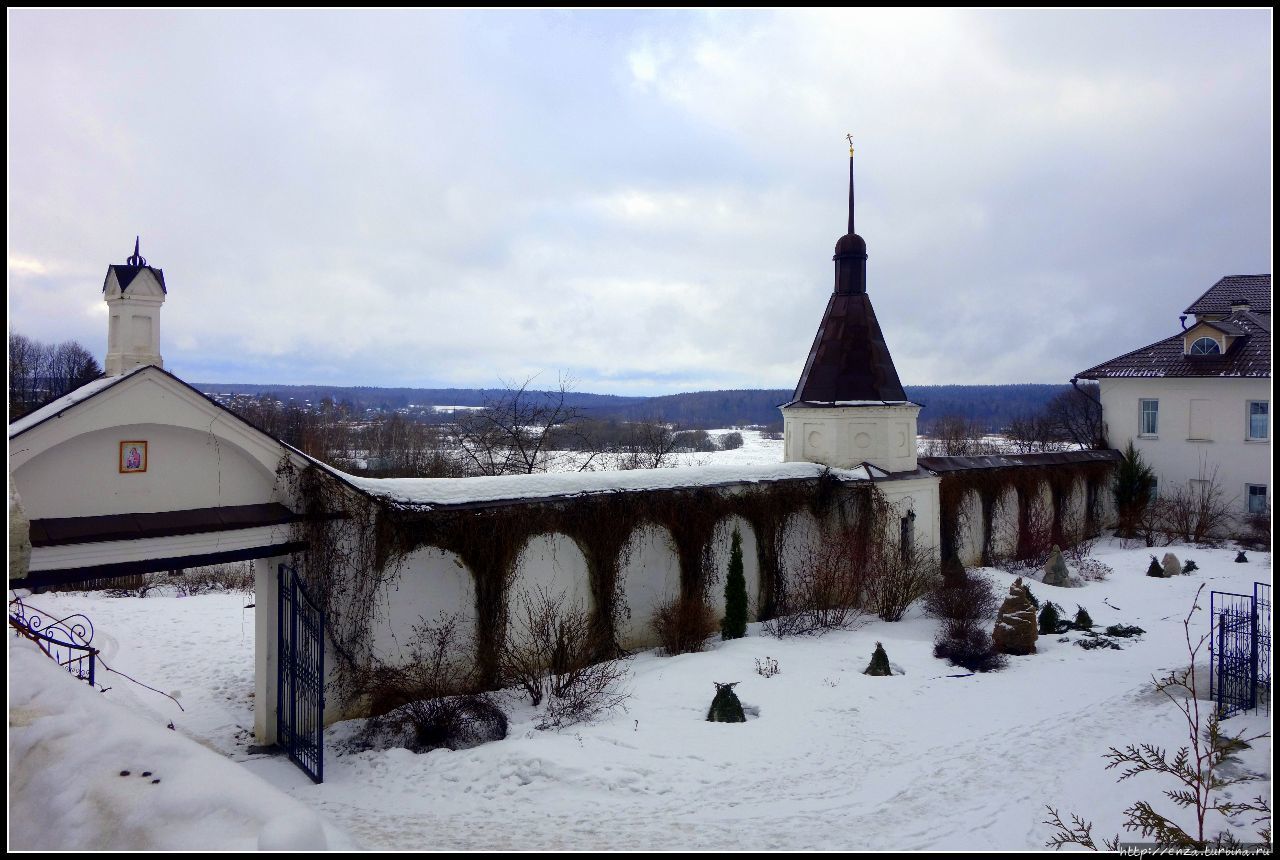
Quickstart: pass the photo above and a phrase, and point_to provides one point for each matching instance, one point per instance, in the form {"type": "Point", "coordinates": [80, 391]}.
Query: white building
{"type": "Point", "coordinates": [1197, 405]}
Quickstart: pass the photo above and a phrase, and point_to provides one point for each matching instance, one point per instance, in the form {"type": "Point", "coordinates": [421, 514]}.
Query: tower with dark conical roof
{"type": "Point", "coordinates": [849, 406]}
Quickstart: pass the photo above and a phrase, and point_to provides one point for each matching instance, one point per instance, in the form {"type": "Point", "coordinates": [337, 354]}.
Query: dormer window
{"type": "Point", "coordinates": [1205, 346]}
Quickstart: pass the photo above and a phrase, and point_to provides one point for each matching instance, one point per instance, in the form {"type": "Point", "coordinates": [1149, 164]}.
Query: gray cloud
{"type": "Point", "coordinates": [646, 200]}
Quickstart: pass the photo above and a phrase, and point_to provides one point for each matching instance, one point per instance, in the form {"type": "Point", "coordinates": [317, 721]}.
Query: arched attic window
{"type": "Point", "coordinates": [1205, 346]}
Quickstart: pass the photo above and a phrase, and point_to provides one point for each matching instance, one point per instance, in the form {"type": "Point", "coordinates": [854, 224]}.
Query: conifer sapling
{"type": "Point", "coordinates": [879, 665]}
{"type": "Point", "coordinates": [734, 625]}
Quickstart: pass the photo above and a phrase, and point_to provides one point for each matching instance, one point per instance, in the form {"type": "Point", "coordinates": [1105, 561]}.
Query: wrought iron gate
{"type": "Point", "coordinates": [66, 640]}
{"type": "Point", "coordinates": [1240, 650]}
{"type": "Point", "coordinates": [300, 676]}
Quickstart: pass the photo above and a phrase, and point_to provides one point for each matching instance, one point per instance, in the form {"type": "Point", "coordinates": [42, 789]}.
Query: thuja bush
{"type": "Point", "coordinates": [683, 626]}
{"type": "Point", "coordinates": [1131, 488]}
{"type": "Point", "coordinates": [734, 625]}
{"type": "Point", "coordinates": [1049, 619]}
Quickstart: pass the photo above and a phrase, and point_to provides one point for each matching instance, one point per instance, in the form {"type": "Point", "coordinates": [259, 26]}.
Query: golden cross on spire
{"type": "Point", "coordinates": [849, 137]}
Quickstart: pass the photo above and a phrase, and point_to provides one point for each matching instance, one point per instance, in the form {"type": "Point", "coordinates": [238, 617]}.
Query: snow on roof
{"type": "Point", "coordinates": [84, 392]}
{"type": "Point", "coordinates": [432, 492]}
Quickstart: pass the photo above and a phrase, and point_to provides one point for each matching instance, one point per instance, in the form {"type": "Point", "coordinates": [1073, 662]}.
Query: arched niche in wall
{"type": "Point", "coordinates": [649, 575]}
{"type": "Point", "coordinates": [428, 586]}
{"type": "Point", "coordinates": [720, 547]}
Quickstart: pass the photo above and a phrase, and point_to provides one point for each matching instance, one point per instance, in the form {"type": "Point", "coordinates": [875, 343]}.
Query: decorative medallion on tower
{"type": "Point", "coordinates": [134, 293]}
{"type": "Point", "coordinates": [849, 407]}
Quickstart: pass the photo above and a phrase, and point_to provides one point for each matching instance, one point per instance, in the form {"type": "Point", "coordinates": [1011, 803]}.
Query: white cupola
{"type": "Point", "coordinates": [134, 293]}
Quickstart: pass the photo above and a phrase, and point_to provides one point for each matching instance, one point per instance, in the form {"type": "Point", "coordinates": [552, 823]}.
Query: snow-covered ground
{"type": "Point", "coordinates": [930, 759]}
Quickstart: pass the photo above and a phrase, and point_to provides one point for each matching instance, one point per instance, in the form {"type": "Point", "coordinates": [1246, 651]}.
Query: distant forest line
{"type": "Point", "coordinates": [991, 406]}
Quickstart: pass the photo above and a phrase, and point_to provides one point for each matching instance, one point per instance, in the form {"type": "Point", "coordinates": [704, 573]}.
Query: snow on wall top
{"type": "Point", "coordinates": [432, 492]}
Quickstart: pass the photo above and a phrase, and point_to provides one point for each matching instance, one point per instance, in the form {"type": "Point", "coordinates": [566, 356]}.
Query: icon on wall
{"type": "Point", "coordinates": [133, 456]}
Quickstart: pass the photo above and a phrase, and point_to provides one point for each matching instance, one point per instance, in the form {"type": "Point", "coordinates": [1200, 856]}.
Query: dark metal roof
{"type": "Point", "coordinates": [943, 465]}
{"type": "Point", "coordinates": [1249, 356]}
{"type": "Point", "coordinates": [849, 360]}
{"type": "Point", "coordinates": [126, 274]}
{"type": "Point", "coordinates": [61, 531]}
{"type": "Point", "coordinates": [1254, 289]}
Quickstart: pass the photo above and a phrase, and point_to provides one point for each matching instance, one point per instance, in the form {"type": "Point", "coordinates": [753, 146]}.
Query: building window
{"type": "Point", "coordinates": [1258, 417]}
{"type": "Point", "coordinates": [1154, 489]}
{"type": "Point", "coordinates": [1205, 346]}
{"type": "Point", "coordinates": [1257, 498]}
{"type": "Point", "coordinates": [1150, 418]}
{"type": "Point", "coordinates": [908, 537]}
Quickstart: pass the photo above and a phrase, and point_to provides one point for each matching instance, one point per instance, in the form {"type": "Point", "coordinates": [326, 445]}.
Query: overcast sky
{"type": "Point", "coordinates": [646, 200]}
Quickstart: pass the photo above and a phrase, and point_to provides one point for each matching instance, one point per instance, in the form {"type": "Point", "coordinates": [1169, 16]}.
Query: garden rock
{"type": "Point", "coordinates": [1170, 565]}
{"type": "Point", "coordinates": [1016, 628]}
{"type": "Point", "coordinates": [1055, 569]}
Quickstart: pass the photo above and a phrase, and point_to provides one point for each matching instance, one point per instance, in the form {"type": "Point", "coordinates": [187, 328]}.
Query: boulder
{"type": "Point", "coordinates": [1016, 628]}
{"type": "Point", "coordinates": [1170, 565]}
{"type": "Point", "coordinates": [1055, 569]}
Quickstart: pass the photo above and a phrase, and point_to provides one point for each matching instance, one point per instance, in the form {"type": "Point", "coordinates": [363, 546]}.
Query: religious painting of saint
{"type": "Point", "coordinates": [133, 456]}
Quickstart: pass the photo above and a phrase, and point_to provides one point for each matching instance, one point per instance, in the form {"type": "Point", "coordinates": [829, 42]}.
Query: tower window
{"type": "Point", "coordinates": [908, 538]}
{"type": "Point", "coordinates": [1205, 346]}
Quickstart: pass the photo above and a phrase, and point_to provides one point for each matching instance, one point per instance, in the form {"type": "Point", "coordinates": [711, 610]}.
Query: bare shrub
{"type": "Point", "coordinates": [962, 596]}
{"type": "Point", "coordinates": [1079, 552]}
{"type": "Point", "coordinates": [1259, 535]}
{"type": "Point", "coordinates": [826, 591]}
{"type": "Point", "coordinates": [896, 578]}
{"type": "Point", "coordinates": [964, 601]}
{"type": "Point", "coordinates": [1198, 512]}
{"type": "Point", "coordinates": [553, 653]}
{"type": "Point", "coordinates": [210, 579]}
{"type": "Point", "coordinates": [1153, 523]}
{"type": "Point", "coordinates": [683, 626]}
{"type": "Point", "coordinates": [433, 701]}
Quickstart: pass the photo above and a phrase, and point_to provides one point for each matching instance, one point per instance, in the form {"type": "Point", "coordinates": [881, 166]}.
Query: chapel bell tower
{"type": "Point", "coordinates": [849, 407]}
{"type": "Point", "coordinates": [134, 293]}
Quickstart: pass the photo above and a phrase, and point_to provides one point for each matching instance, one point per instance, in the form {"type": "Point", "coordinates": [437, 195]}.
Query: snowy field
{"type": "Point", "coordinates": [929, 759]}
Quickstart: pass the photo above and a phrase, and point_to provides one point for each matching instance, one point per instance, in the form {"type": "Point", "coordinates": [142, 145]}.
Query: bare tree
{"type": "Point", "coordinates": [1034, 433]}
{"type": "Point", "coordinates": [41, 372]}
{"type": "Point", "coordinates": [1076, 416]}
{"type": "Point", "coordinates": [957, 436]}
{"type": "Point", "coordinates": [652, 444]}
{"type": "Point", "coordinates": [511, 435]}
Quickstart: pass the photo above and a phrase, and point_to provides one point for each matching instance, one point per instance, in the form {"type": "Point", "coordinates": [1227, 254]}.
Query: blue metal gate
{"type": "Point", "coordinates": [1240, 649]}
{"type": "Point", "coordinates": [300, 676]}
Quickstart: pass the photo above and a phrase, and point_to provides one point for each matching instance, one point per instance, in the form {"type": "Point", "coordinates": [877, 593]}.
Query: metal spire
{"type": "Point", "coordinates": [849, 137]}
{"type": "Point", "coordinates": [137, 258]}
